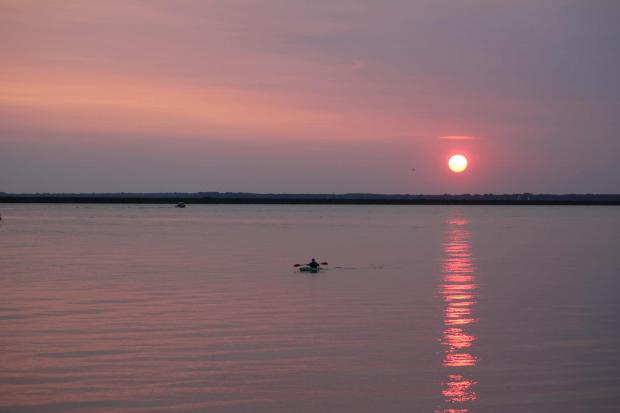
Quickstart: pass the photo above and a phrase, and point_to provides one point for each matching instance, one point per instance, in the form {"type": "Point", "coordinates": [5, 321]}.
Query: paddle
{"type": "Point", "coordinates": [299, 265]}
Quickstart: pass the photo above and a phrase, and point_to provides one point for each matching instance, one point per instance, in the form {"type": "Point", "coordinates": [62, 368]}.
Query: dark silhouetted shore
{"type": "Point", "coordinates": [315, 199]}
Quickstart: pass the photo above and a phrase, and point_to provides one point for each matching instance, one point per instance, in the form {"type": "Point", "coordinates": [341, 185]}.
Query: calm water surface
{"type": "Point", "coordinates": [422, 309]}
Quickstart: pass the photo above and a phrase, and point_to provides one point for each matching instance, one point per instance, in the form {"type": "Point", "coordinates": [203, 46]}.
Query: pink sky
{"type": "Point", "coordinates": [308, 96]}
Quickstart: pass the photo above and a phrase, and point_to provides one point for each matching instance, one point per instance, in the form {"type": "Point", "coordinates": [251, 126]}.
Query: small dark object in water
{"type": "Point", "coordinates": [312, 266]}
{"type": "Point", "coordinates": [180, 205]}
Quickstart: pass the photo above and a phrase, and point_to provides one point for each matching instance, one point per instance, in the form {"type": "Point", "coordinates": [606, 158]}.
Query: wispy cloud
{"type": "Point", "coordinates": [458, 138]}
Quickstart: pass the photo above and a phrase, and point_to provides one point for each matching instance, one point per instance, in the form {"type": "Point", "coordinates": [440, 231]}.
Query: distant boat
{"type": "Point", "coordinates": [180, 205]}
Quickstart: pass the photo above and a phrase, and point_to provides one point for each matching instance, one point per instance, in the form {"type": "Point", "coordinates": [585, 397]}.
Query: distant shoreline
{"type": "Point", "coordinates": [317, 200]}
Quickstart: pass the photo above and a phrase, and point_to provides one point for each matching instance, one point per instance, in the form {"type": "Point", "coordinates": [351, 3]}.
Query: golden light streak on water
{"type": "Point", "coordinates": [458, 289]}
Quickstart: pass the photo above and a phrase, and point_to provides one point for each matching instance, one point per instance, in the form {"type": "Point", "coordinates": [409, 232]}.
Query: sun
{"type": "Point", "coordinates": [457, 163]}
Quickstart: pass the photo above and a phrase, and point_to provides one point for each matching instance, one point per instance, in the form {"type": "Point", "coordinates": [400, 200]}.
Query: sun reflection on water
{"type": "Point", "coordinates": [458, 290]}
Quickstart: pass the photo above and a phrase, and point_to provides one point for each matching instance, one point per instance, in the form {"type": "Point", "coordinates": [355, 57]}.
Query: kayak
{"type": "Point", "coordinates": [307, 268]}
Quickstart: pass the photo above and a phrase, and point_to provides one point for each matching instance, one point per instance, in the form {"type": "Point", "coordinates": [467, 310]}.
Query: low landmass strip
{"type": "Point", "coordinates": [313, 199]}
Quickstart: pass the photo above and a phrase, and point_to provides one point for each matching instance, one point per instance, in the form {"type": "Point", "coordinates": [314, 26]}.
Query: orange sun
{"type": "Point", "coordinates": [457, 163]}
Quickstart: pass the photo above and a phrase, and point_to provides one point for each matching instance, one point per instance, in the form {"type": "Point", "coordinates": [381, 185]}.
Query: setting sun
{"type": "Point", "coordinates": [457, 163]}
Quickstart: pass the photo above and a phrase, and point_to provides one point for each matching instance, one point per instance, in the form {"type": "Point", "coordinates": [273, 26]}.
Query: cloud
{"type": "Point", "coordinates": [458, 138]}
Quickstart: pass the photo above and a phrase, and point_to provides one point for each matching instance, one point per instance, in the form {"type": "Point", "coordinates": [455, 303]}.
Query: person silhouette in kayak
{"type": "Point", "coordinates": [313, 264]}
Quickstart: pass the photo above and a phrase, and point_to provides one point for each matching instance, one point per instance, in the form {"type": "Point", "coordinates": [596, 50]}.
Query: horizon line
{"type": "Point", "coordinates": [325, 194]}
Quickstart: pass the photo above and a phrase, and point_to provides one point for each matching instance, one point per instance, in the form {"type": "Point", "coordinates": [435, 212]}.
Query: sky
{"type": "Point", "coordinates": [291, 96]}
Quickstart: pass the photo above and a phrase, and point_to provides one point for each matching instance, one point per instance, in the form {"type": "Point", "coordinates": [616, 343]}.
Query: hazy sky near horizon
{"type": "Point", "coordinates": [309, 96]}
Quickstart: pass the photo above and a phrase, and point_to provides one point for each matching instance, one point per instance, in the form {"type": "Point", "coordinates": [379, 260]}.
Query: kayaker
{"type": "Point", "coordinates": [313, 264]}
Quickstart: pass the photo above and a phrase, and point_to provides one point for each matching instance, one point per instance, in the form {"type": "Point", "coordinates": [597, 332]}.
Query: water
{"type": "Point", "coordinates": [448, 309]}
